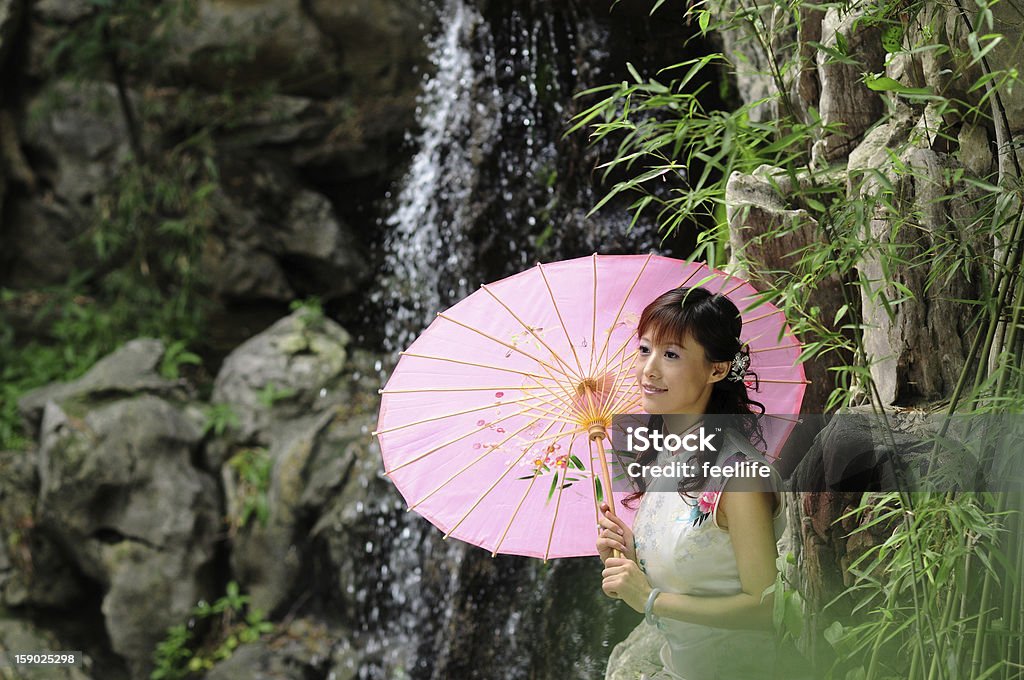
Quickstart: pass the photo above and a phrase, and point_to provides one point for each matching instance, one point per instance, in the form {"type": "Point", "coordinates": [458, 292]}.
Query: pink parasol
{"type": "Point", "coordinates": [492, 425]}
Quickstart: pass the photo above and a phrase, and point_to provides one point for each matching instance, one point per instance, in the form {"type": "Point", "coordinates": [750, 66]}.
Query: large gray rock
{"type": "Point", "coordinates": [130, 370]}
{"type": "Point", "coordinates": [63, 11]}
{"type": "Point", "coordinates": [10, 17]}
{"type": "Point", "coordinates": [280, 241]}
{"type": "Point", "coordinates": [761, 202]}
{"type": "Point", "coordinates": [845, 101]}
{"type": "Point", "coordinates": [382, 41]}
{"type": "Point", "coordinates": [229, 42]}
{"type": "Point", "coordinates": [79, 129]}
{"type": "Point", "coordinates": [917, 350]}
{"type": "Point", "coordinates": [22, 636]}
{"type": "Point", "coordinates": [292, 370]}
{"type": "Point", "coordinates": [34, 570]}
{"type": "Point", "coordinates": [303, 649]}
{"type": "Point", "coordinates": [119, 491]}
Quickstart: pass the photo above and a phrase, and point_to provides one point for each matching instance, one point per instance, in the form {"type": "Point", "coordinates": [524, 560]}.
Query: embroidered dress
{"type": "Point", "coordinates": [681, 548]}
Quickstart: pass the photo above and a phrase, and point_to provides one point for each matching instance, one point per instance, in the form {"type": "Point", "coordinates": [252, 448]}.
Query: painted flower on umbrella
{"type": "Point", "coordinates": [559, 465]}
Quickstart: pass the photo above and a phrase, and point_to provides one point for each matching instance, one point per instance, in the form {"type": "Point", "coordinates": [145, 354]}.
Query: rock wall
{"type": "Point", "coordinates": [898, 155]}
{"type": "Point", "coordinates": [307, 104]}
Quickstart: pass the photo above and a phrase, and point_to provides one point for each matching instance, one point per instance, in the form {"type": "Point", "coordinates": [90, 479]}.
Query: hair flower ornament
{"type": "Point", "coordinates": [740, 364]}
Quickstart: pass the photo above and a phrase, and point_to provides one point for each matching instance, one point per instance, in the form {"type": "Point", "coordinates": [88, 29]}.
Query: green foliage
{"type": "Point", "coordinates": [271, 394]}
{"type": "Point", "coordinates": [219, 419]}
{"type": "Point", "coordinates": [312, 310]}
{"type": "Point", "coordinates": [252, 469]}
{"type": "Point", "coordinates": [937, 598]}
{"type": "Point", "coordinates": [146, 229]}
{"type": "Point", "coordinates": [174, 358]}
{"type": "Point", "coordinates": [232, 622]}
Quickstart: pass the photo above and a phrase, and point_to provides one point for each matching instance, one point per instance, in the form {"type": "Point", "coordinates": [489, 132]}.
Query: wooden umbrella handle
{"type": "Point", "coordinates": [597, 434]}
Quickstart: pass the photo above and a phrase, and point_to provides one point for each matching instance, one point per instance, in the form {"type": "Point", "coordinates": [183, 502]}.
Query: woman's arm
{"type": "Point", "coordinates": [748, 510]}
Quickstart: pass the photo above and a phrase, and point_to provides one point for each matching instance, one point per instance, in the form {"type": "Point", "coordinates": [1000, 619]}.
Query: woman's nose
{"type": "Point", "coordinates": [651, 366]}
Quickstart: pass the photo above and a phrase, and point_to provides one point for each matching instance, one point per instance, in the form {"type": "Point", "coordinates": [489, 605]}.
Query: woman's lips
{"type": "Point", "coordinates": [650, 389]}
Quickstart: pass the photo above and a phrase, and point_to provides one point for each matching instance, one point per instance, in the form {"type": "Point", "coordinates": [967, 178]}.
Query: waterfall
{"type": "Point", "coordinates": [427, 230]}
{"type": "Point", "coordinates": [493, 186]}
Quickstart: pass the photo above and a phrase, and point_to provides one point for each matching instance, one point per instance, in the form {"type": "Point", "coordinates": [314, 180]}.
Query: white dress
{"type": "Point", "coordinates": [679, 557]}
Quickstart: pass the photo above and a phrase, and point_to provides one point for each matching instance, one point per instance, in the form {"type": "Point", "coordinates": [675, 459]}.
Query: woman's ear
{"type": "Point", "coordinates": [719, 369]}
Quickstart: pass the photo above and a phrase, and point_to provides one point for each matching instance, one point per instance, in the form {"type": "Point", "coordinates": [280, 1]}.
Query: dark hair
{"type": "Point", "coordinates": [714, 322]}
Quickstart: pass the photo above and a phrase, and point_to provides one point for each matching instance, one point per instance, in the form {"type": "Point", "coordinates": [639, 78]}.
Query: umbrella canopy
{"type": "Point", "coordinates": [491, 424]}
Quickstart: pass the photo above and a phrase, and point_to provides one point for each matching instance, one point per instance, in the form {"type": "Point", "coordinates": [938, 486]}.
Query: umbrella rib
{"type": "Point", "coordinates": [478, 365]}
{"type": "Point", "coordinates": [692, 274]}
{"type": "Point", "coordinates": [515, 512]}
{"type": "Point", "coordinates": [469, 465]}
{"type": "Point", "coordinates": [522, 500]}
{"type": "Point", "coordinates": [453, 441]}
{"type": "Point", "coordinates": [553, 415]}
{"type": "Point", "coordinates": [593, 322]}
{"type": "Point", "coordinates": [769, 349]}
{"type": "Point", "coordinates": [417, 390]}
{"type": "Point", "coordinates": [561, 321]}
{"type": "Point", "coordinates": [554, 517]}
{"type": "Point", "coordinates": [450, 415]}
{"type": "Point", "coordinates": [576, 430]}
{"type": "Point", "coordinates": [622, 306]}
{"type": "Point", "coordinates": [621, 368]}
{"type": "Point", "coordinates": [532, 332]}
{"type": "Point", "coordinates": [762, 316]}
{"type": "Point", "coordinates": [505, 344]}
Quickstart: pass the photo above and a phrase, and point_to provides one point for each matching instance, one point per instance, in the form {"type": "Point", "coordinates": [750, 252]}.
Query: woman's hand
{"type": "Point", "coordinates": [624, 580]}
{"type": "Point", "coordinates": [614, 535]}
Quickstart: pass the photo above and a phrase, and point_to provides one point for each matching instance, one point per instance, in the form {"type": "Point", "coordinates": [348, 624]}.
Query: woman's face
{"type": "Point", "coordinates": [675, 377]}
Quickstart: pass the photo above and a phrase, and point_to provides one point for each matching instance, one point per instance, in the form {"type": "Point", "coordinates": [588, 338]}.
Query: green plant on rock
{"type": "Point", "coordinates": [219, 419]}
{"type": "Point", "coordinates": [271, 394]}
{"type": "Point", "coordinates": [252, 468]}
{"type": "Point", "coordinates": [231, 622]}
{"type": "Point", "coordinates": [176, 356]}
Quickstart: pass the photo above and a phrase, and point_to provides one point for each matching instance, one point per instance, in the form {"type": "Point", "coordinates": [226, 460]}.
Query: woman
{"type": "Point", "coordinates": [702, 550]}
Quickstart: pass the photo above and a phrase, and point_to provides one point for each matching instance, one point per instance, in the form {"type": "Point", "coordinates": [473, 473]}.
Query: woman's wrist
{"type": "Point", "coordinates": [649, 615]}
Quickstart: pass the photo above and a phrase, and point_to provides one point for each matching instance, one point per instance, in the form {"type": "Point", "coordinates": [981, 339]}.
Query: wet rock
{"type": "Point", "coordinates": [38, 243]}
{"type": "Point", "coordinates": [21, 636]}
{"type": "Point", "coordinates": [79, 129]}
{"type": "Point", "coordinates": [34, 570]}
{"type": "Point", "coordinates": [118, 490]}
{"type": "Point", "coordinates": [845, 101]}
{"type": "Point", "coordinates": [63, 11]}
{"type": "Point", "coordinates": [290, 371]}
{"type": "Point", "coordinates": [243, 44]}
{"type": "Point", "coordinates": [637, 654]}
{"type": "Point", "coordinates": [757, 204]}
{"type": "Point", "coordinates": [306, 648]}
{"type": "Point", "coordinates": [382, 42]}
{"type": "Point", "coordinates": [918, 349]}
{"type": "Point", "coordinates": [10, 18]}
{"type": "Point", "coordinates": [130, 370]}
{"type": "Point", "coordinates": [280, 241]}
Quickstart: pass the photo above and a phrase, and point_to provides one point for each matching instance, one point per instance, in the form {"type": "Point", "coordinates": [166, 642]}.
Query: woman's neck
{"type": "Point", "coordinates": [681, 423]}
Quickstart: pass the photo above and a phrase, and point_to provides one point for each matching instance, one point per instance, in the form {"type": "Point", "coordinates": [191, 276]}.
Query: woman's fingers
{"type": "Point", "coordinates": [610, 543]}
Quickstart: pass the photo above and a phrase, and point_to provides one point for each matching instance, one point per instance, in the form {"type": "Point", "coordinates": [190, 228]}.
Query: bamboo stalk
{"type": "Point", "coordinates": [984, 611]}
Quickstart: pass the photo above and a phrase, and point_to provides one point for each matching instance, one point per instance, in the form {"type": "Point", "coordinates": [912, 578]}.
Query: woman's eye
{"type": "Point", "coordinates": [671, 355]}
{"type": "Point", "coordinates": [644, 349]}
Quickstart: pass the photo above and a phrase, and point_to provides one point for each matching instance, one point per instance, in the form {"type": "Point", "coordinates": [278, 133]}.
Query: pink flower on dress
{"type": "Point", "coordinates": [706, 501]}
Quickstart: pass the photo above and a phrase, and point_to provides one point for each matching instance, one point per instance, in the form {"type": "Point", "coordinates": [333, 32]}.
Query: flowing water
{"type": "Point", "coordinates": [494, 185]}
